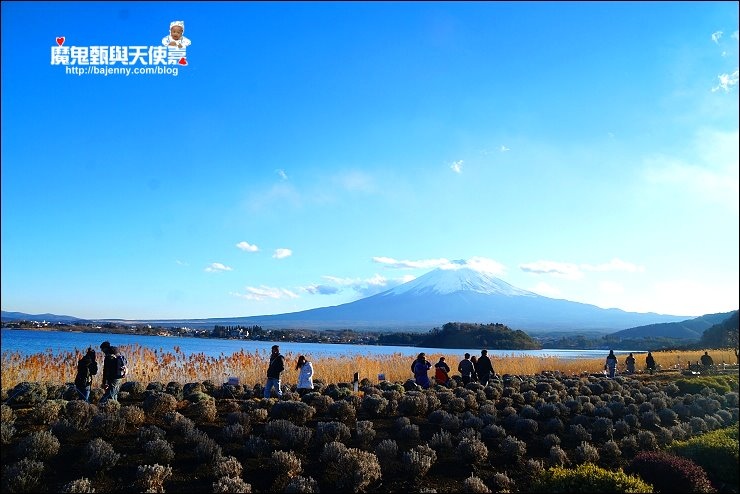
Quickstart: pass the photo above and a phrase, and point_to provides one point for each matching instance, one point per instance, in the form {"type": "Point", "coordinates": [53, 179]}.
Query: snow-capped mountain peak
{"type": "Point", "coordinates": [444, 281]}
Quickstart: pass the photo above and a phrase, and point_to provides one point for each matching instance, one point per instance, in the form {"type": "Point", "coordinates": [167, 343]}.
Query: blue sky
{"type": "Point", "coordinates": [310, 154]}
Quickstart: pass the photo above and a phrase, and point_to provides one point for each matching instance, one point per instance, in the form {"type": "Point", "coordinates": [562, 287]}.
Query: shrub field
{"type": "Point", "coordinates": [545, 431]}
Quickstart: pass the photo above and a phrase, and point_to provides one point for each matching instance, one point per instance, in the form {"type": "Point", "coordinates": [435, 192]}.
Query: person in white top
{"type": "Point", "coordinates": [176, 39]}
{"type": "Point", "coordinates": [305, 375]}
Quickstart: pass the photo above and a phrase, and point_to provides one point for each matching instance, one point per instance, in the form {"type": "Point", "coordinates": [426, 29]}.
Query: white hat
{"type": "Point", "coordinates": [178, 23]}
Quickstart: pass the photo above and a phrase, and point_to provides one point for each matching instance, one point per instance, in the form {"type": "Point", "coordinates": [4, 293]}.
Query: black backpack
{"type": "Point", "coordinates": [121, 366]}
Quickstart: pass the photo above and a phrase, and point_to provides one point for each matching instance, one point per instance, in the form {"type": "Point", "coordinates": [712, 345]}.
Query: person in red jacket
{"type": "Point", "coordinates": [441, 372]}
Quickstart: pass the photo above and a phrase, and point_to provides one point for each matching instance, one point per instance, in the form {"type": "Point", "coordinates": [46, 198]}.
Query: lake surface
{"type": "Point", "coordinates": [29, 342]}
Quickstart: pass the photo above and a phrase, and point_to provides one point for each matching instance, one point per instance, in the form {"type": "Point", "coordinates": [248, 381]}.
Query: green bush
{"type": "Point", "coordinates": [719, 384]}
{"type": "Point", "coordinates": [716, 452]}
{"type": "Point", "coordinates": [587, 478]}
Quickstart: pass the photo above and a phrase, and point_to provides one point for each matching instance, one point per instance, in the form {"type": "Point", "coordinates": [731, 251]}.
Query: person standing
{"type": "Point", "coordinates": [611, 363]}
{"type": "Point", "coordinates": [650, 363]}
{"type": "Point", "coordinates": [111, 373]}
{"type": "Point", "coordinates": [706, 360]}
{"type": "Point", "coordinates": [305, 375]}
{"type": "Point", "coordinates": [484, 368]}
{"type": "Point", "coordinates": [474, 375]}
{"type": "Point", "coordinates": [277, 365]}
{"type": "Point", "coordinates": [466, 369]}
{"type": "Point", "coordinates": [630, 362]}
{"type": "Point", "coordinates": [441, 372]}
{"type": "Point", "coordinates": [87, 367]}
{"type": "Point", "coordinates": [420, 367]}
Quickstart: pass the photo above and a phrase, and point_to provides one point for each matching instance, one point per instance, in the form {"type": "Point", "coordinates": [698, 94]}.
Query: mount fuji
{"type": "Point", "coordinates": [455, 295]}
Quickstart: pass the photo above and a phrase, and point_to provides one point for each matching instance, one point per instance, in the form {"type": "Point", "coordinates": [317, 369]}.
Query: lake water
{"type": "Point", "coordinates": [28, 342]}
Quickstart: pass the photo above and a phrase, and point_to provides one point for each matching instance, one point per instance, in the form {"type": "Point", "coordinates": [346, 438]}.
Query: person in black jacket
{"type": "Point", "coordinates": [484, 368]}
{"type": "Point", "coordinates": [277, 365]}
{"type": "Point", "coordinates": [650, 363]}
{"type": "Point", "coordinates": [87, 367]}
{"type": "Point", "coordinates": [466, 369]}
{"type": "Point", "coordinates": [111, 380]}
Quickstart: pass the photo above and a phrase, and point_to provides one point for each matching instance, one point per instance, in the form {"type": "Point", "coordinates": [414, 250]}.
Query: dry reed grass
{"type": "Point", "coordinates": [148, 365]}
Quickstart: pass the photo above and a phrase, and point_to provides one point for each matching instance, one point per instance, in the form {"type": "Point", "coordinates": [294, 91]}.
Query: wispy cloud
{"type": "Point", "coordinates": [389, 262]}
{"type": "Point", "coordinates": [712, 175]}
{"type": "Point", "coordinates": [727, 81]}
{"type": "Point", "coordinates": [321, 289]}
{"type": "Point", "coordinates": [614, 265]}
{"type": "Point", "coordinates": [559, 269]}
{"type": "Point", "coordinates": [362, 286]}
{"type": "Point", "coordinates": [546, 289]}
{"type": "Point", "coordinates": [572, 271]}
{"type": "Point", "coordinates": [217, 267]}
{"type": "Point", "coordinates": [282, 253]}
{"type": "Point", "coordinates": [481, 264]}
{"type": "Point", "coordinates": [281, 173]}
{"type": "Point", "coordinates": [181, 263]}
{"type": "Point", "coordinates": [716, 36]}
{"type": "Point", "coordinates": [457, 166]}
{"type": "Point", "coordinates": [355, 181]}
{"type": "Point", "coordinates": [503, 148]}
{"type": "Point", "coordinates": [265, 292]}
{"type": "Point", "coordinates": [247, 247]}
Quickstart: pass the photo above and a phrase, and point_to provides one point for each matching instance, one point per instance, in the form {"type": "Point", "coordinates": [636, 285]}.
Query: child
{"type": "Point", "coordinates": [176, 39]}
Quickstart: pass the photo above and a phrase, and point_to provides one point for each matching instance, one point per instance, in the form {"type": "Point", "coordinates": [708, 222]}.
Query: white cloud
{"type": "Point", "coordinates": [712, 175]}
{"type": "Point", "coordinates": [282, 253]}
{"type": "Point", "coordinates": [504, 148]}
{"type": "Point", "coordinates": [481, 264]}
{"type": "Point", "coordinates": [181, 263]}
{"type": "Point", "coordinates": [727, 81]}
{"type": "Point", "coordinates": [678, 297]}
{"type": "Point", "coordinates": [716, 36]}
{"type": "Point", "coordinates": [565, 270]}
{"type": "Point", "coordinates": [611, 288]}
{"type": "Point", "coordinates": [281, 173]}
{"type": "Point", "coordinates": [247, 247]}
{"type": "Point", "coordinates": [546, 290]}
{"type": "Point", "coordinates": [364, 287]}
{"type": "Point", "coordinates": [457, 166]}
{"type": "Point", "coordinates": [356, 181]}
{"type": "Point", "coordinates": [572, 271]}
{"type": "Point", "coordinates": [614, 265]}
{"type": "Point", "coordinates": [217, 267]}
{"type": "Point", "coordinates": [735, 36]}
{"type": "Point", "coordinates": [265, 292]}
{"type": "Point", "coordinates": [423, 264]}
{"type": "Point", "coordinates": [321, 289]}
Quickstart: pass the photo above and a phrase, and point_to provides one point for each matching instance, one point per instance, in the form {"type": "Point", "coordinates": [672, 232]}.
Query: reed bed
{"type": "Point", "coordinates": [147, 365]}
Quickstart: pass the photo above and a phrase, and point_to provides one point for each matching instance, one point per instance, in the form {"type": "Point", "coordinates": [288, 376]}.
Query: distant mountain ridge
{"type": "Point", "coordinates": [690, 329]}
{"type": "Point", "coordinates": [444, 295]}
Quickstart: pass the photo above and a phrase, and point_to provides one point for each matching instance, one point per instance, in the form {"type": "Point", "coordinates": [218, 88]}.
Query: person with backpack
{"type": "Point", "coordinates": [441, 372]}
{"type": "Point", "coordinates": [87, 367]}
{"type": "Point", "coordinates": [419, 367]}
{"type": "Point", "coordinates": [114, 370]}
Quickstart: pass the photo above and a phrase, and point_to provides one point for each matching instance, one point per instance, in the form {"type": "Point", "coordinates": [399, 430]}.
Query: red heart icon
{"type": "Point", "coordinates": [60, 40]}
{"type": "Point", "coordinates": [183, 61]}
